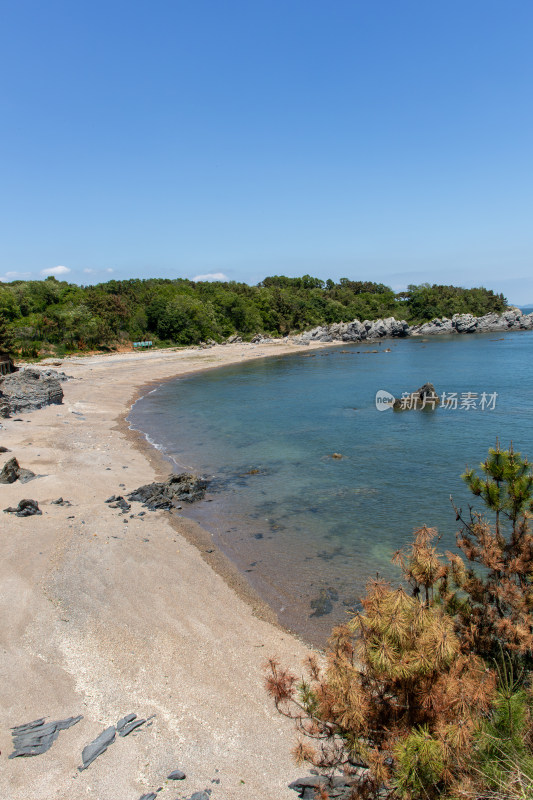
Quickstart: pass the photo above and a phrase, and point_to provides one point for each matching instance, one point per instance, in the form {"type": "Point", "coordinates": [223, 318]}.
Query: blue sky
{"type": "Point", "coordinates": [390, 140]}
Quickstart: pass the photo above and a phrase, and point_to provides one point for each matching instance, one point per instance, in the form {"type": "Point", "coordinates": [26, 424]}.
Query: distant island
{"type": "Point", "coordinates": [51, 317]}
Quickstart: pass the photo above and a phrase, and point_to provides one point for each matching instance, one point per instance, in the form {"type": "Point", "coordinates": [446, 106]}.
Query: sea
{"type": "Point", "coordinates": [312, 488]}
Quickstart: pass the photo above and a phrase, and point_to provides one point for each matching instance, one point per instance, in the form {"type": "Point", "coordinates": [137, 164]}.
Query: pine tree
{"type": "Point", "coordinates": [495, 603]}
{"type": "Point", "coordinates": [398, 704]}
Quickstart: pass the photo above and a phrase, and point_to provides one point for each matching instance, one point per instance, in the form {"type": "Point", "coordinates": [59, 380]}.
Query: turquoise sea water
{"type": "Point", "coordinates": [306, 521]}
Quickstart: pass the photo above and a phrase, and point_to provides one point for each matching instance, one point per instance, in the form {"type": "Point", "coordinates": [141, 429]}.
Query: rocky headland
{"type": "Point", "coordinates": [391, 328]}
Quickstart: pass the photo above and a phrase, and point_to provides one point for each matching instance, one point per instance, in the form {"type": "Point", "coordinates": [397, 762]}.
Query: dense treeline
{"type": "Point", "coordinates": [54, 315]}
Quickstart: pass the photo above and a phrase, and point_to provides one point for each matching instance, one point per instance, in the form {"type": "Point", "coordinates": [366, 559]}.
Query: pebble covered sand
{"type": "Point", "coordinates": [107, 614]}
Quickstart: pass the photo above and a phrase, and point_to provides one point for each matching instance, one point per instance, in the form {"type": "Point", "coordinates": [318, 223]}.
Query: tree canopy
{"type": "Point", "coordinates": [46, 315]}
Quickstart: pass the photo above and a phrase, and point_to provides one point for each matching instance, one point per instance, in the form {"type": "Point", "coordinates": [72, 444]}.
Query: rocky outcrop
{"type": "Point", "coordinates": [29, 389]}
{"type": "Point", "coordinates": [12, 471]}
{"type": "Point", "coordinates": [425, 397]}
{"type": "Point", "coordinates": [177, 489]}
{"type": "Point", "coordinates": [391, 328]}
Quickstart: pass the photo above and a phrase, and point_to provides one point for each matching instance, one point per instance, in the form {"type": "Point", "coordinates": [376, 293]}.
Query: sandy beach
{"type": "Point", "coordinates": [102, 618]}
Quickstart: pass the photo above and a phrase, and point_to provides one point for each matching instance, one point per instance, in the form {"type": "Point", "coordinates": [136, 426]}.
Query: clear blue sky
{"type": "Point", "coordinates": [387, 139]}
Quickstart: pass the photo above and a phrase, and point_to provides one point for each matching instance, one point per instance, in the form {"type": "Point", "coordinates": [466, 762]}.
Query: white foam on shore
{"type": "Point", "coordinates": [157, 445]}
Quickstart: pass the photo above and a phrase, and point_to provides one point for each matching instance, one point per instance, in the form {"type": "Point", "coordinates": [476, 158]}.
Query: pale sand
{"type": "Point", "coordinates": [97, 621]}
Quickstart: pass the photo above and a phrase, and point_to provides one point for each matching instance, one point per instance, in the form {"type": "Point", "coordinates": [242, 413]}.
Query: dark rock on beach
{"type": "Point", "coordinates": [29, 389]}
{"type": "Point", "coordinates": [121, 724]}
{"type": "Point", "coordinates": [131, 726]}
{"type": "Point", "coordinates": [117, 501]}
{"type": "Point", "coordinates": [97, 747]}
{"type": "Point", "coordinates": [34, 738]}
{"type": "Point", "coordinates": [12, 472]}
{"type": "Point", "coordinates": [336, 786]}
{"type": "Point", "coordinates": [176, 775]}
{"type": "Point", "coordinates": [61, 502]}
{"type": "Point", "coordinates": [176, 489]}
{"type": "Point", "coordinates": [25, 508]}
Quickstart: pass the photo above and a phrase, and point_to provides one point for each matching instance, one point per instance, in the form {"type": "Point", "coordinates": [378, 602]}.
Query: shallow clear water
{"type": "Point", "coordinates": [306, 521]}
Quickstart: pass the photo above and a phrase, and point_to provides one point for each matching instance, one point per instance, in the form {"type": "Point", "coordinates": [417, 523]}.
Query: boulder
{"type": "Point", "coordinates": [433, 328]}
{"type": "Point", "coordinates": [12, 472]}
{"type": "Point", "coordinates": [464, 323]}
{"type": "Point", "coordinates": [318, 334]}
{"type": "Point", "coordinates": [354, 332]}
{"type": "Point", "coordinates": [491, 322]}
{"type": "Point", "coordinates": [5, 408]}
{"type": "Point", "coordinates": [377, 330]}
{"type": "Point", "coordinates": [31, 388]}
{"type": "Point", "coordinates": [25, 508]}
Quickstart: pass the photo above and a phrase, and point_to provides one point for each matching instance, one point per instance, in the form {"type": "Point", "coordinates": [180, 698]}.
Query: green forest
{"type": "Point", "coordinates": [56, 317]}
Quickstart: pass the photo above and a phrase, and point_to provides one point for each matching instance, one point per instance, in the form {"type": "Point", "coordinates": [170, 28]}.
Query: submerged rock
{"type": "Point", "coordinates": [185, 487]}
{"type": "Point", "coordinates": [323, 603]}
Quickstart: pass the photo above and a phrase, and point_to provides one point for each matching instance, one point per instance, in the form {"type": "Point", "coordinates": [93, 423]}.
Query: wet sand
{"type": "Point", "coordinates": [102, 618]}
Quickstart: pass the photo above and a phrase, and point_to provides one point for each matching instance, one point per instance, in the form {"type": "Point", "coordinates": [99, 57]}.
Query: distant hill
{"type": "Point", "coordinates": [54, 317]}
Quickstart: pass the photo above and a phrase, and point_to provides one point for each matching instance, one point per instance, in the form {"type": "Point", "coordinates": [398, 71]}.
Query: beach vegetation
{"type": "Point", "coordinates": [426, 691]}
{"type": "Point", "coordinates": [52, 313]}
